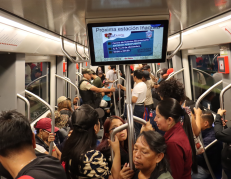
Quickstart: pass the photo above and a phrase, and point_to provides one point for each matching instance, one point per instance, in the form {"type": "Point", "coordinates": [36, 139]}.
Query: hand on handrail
{"type": "Point", "coordinates": [126, 172]}
{"type": "Point", "coordinates": [221, 112]}
{"type": "Point", "coordinates": [114, 145]}
{"type": "Point", "coordinates": [147, 127]}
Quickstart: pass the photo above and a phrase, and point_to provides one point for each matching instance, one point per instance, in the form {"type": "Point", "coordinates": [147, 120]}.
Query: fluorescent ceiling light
{"type": "Point", "coordinates": [201, 27]}
{"type": "Point", "coordinates": [31, 30]}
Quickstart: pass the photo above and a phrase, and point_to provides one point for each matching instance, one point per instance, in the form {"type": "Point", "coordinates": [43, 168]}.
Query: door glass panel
{"type": "Point", "coordinates": [204, 73]}
{"type": "Point", "coordinates": [37, 81]}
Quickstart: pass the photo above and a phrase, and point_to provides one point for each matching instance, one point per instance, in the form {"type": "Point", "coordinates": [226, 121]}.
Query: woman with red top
{"type": "Point", "coordinates": [179, 139]}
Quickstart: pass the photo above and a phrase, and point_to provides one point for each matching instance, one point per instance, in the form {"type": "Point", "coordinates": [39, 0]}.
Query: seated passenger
{"type": "Point", "coordinates": [179, 139]}
{"type": "Point", "coordinates": [213, 152]}
{"type": "Point", "coordinates": [17, 155]}
{"type": "Point", "coordinates": [79, 154]}
{"type": "Point", "coordinates": [108, 108]}
{"type": "Point", "coordinates": [110, 124]}
{"type": "Point", "coordinates": [44, 137]}
{"type": "Point", "coordinates": [149, 157]}
{"type": "Point", "coordinates": [224, 135]}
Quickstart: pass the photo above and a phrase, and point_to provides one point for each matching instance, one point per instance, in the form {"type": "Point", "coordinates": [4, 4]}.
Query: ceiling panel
{"type": "Point", "coordinates": [67, 17]}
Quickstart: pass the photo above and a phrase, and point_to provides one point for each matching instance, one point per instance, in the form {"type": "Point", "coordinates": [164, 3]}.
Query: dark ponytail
{"type": "Point", "coordinates": [188, 130]}
{"type": "Point", "coordinates": [169, 107]}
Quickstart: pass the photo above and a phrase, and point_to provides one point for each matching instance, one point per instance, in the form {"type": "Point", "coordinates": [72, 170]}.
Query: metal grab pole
{"type": "Point", "coordinates": [181, 39]}
{"type": "Point", "coordinates": [206, 93]}
{"type": "Point", "coordinates": [69, 81]}
{"type": "Point", "coordinates": [213, 142]}
{"type": "Point", "coordinates": [77, 52]}
{"type": "Point", "coordinates": [52, 116]}
{"type": "Point", "coordinates": [197, 106]}
{"type": "Point", "coordinates": [222, 96]}
{"type": "Point", "coordinates": [114, 132]}
{"type": "Point", "coordinates": [67, 54]}
{"type": "Point", "coordinates": [129, 117]}
{"type": "Point", "coordinates": [36, 80]}
{"type": "Point", "coordinates": [119, 90]}
{"type": "Point", "coordinates": [175, 73]}
{"type": "Point", "coordinates": [202, 72]}
{"type": "Point", "coordinates": [28, 105]}
{"type": "Point", "coordinates": [85, 53]}
{"type": "Point", "coordinates": [47, 85]}
{"type": "Point", "coordinates": [139, 120]}
{"type": "Point", "coordinates": [114, 98]}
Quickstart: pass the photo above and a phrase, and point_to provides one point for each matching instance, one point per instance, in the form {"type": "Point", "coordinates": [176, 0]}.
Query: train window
{"type": "Point", "coordinates": [204, 74]}
{"type": "Point", "coordinates": [37, 81]}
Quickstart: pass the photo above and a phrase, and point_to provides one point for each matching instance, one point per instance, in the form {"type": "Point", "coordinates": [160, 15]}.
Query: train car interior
{"type": "Point", "coordinates": [49, 48]}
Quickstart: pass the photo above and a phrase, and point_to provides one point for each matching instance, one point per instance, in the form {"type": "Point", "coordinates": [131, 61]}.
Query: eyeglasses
{"type": "Point", "coordinates": [46, 131]}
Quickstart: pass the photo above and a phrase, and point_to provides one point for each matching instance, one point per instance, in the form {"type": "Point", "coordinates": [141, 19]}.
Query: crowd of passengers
{"type": "Point", "coordinates": [167, 147]}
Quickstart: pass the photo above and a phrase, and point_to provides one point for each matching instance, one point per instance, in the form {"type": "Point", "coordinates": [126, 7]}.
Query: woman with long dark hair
{"type": "Point", "coordinates": [79, 154]}
{"type": "Point", "coordinates": [109, 125]}
{"type": "Point", "coordinates": [179, 139]}
{"type": "Point", "coordinates": [149, 157]}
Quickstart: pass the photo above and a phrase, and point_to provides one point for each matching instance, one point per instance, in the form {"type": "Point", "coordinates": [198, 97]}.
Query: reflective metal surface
{"type": "Point", "coordinates": [67, 17]}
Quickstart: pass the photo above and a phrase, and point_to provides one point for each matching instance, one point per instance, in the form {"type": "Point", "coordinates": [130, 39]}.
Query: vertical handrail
{"type": "Point", "coordinates": [222, 105]}
{"type": "Point", "coordinates": [175, 73]}
{"type": "Point", "coordinates": [129, 117]}
{"type": "Point", "coordinates": [47, 86]}
{"type": "Point", "coordinates": [114, 98]}
{"type": "Point", "coordinates": [181, 39]}
{"type": "Point", "coordinates": [69, 81]}
{"type": "Point", "coordinates": [197, 106]}
{"type": "Point", "coordinates": [124, 92]}
{"type": "Point", "coordinates": [119, 91]}
{"type": "Point", "coordinates": [114, 132]}
{"type": "Point", "coordinates": [222, 96]}
{"type": "Point", "coordinates": [28, 105]}
{"type": "Point", "coordinates": [39, 78]}
{"type": "Point", "coordinates": [52, 116]}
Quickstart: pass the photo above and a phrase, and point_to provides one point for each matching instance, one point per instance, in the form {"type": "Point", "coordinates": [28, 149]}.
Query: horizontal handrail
{"type": "Point", "coordinates": [79, 74]}
{"type": "Point", "coordinates": [202, 71]}
{"type": "Point", "coordinates": [39, 78]}
{"type": "Point", "coordinates": [175, 73]}
{"type": "Point", "coordinates": [52, 115]}
{"type": "Point", "coordinates": [28, 105]}
{"type": "Point", "coordinates": [213, 142]}
{"type": "Point", "coordinates": [67, 54]}
{"type": "Point", "coordinates": [206, 93]}
{"type": "Point", "coordinates": [158, 71]}
{"type": "Point", "coordinates": [139, 120]}
{"type": "Point", "coordinates": [114, 132]}
{"type": "Point", "coordinates": [69, 81]}
{"type": "Point", "coordinates": [222, 96]}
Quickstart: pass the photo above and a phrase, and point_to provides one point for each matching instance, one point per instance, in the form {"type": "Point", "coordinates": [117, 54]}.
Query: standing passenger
{"type": "Point", "coordinates": [224, 135]}
{"type": "Point", "coordinates": [150, 84]}
{"type": "Point", "coordinates": [138, 97]}
{"type": "Point", "coordinates": [111, 75]}
{"type": "Point", "coordinates": [179, 139]}
{"type": "Point", "coordinates": [87, 90]}
{"type": "Point", "coordinates": [79, 154]}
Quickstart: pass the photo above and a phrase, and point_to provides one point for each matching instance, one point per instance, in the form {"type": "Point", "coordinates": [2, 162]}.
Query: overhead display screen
{"type": "Point", "coordinates": [123, 43]}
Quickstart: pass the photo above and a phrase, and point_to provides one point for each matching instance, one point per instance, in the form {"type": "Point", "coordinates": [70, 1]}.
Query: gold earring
{"type": "Point", "coordinates": [41, 137]}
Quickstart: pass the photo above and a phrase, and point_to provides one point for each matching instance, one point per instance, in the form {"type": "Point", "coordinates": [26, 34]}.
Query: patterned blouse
{"type": "Point", "coordinates": [95, 165]}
